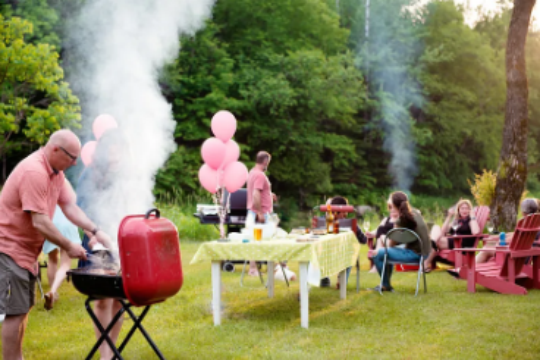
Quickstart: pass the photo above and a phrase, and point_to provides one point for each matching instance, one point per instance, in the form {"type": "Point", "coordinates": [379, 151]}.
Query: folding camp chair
{"type": "Point", "coordinates": [404, 236]}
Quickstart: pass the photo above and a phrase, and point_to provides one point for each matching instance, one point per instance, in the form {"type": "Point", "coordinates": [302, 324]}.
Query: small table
{"type": "Point", "coordinates": [330, 254]}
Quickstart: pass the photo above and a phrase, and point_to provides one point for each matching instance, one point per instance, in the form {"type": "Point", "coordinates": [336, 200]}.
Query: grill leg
{"type": "Point", "coordinates": [137, 325]}
{"type": "Point", "coordinates": [104, 332]}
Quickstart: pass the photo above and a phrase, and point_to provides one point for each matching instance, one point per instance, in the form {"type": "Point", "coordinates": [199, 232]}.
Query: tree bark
{"type": "Point", "coordinates": [513, 166]}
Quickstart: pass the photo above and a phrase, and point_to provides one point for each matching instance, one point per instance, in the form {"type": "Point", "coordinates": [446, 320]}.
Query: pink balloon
{"type": "Point", "coordinates": [223, 125]}
{"type": "Point", "coordinates": [103, 123]}
{"type": "Point", "coordinates": [87, 152]}
{"type": "Point", "coordinates": [213, 152]}
{"type": "Point", "coordinates": [208, 178]}
{"type": "Point", "coordinates": [235, 176]}
{"type": "Point", "coordinates": [232, 153]}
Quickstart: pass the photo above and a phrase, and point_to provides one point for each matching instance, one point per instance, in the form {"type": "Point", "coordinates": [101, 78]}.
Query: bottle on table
{"type": "Point", "coordinates": [329, 219]}
{"type": "Point", "coordinates": [336, 226]}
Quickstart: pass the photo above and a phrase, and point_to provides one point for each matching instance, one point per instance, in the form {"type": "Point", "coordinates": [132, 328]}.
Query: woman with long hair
{"type": "Point", "coordinates": [460, 221]}
{"type": "Point", "coordinates": [413, 251]}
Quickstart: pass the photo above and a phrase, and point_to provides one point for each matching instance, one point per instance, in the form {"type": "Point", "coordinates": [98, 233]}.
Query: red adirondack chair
{"type": "Point", "coordinates": [452, 257]}
{"type": "Point", "coordinates": [514, 269]}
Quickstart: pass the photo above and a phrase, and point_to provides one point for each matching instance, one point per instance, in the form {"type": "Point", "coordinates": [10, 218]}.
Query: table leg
{"type": "Point", "coordinates": [270, 278]}
{"type": "Point", "coordinates": [303, 278]}
{"type": "Point", "coordinates": [343, 285]}
{"type": "Point", "coordinates": [216, 292]}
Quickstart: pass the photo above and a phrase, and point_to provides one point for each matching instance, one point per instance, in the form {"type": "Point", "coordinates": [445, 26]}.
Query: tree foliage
{"type": "Point", "coordinates": [34, 101]}
{"type": "Point", "coordinates": [308, 85]}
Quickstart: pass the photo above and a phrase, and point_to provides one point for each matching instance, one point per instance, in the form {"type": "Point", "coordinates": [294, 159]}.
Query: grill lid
{"type": "Point", "coordinates": [150, 258]}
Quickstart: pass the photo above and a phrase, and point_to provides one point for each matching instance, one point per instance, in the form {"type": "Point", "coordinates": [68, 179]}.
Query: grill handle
{"type": "Point", "coordinates": [147, 215]}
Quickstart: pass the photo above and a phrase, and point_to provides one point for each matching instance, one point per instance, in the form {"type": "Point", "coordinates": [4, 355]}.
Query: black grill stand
{"type": "Point", "coordinates": [137, 320]}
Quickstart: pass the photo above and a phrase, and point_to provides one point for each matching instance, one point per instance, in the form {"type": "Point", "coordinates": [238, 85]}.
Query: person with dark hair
{"type": "Point", "coordinates": [340, 200]}
{"type": "Point", "coordinates": [259, 197]}
{"type": "Point", "coordinates": [412, 252]}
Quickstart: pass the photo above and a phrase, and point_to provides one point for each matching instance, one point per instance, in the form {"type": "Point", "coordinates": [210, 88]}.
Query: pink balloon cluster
{"type": "Point", "coordinates": [100, 125]}
{"type": "Point", "coordinates": [221, 154]}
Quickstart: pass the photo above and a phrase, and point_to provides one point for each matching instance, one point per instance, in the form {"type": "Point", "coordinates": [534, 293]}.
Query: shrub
{"type": "Point", "coordinates": [483, 187]}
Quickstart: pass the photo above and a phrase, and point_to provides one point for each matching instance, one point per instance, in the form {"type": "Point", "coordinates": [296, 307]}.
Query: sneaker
{"type": "Point", "coordinates": [378, 289]}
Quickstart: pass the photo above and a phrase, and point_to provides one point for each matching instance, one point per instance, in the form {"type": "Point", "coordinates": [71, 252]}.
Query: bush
{"type": "Point", "coordinates": [483, 187]}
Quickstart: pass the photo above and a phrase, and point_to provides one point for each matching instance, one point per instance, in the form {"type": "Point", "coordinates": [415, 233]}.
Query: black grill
{"type": "Point", "coordinates": [236, 217]}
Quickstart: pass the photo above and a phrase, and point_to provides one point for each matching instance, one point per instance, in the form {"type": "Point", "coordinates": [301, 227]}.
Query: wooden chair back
{"type": "Point", "coordinates": [523, 239]}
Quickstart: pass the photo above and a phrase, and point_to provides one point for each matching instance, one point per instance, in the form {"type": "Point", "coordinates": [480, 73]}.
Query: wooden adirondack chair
{"type": "Point", "coordinates": [452, 257]}
{"type": "Point", "coordinates": [514, 269]}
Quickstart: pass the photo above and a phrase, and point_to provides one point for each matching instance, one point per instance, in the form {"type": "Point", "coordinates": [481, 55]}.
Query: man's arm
{"type": "Point", "coordinates": [46, 227]}
{"type": "Point", "coordinates": [256, 196]}
{"type": "Point", "coordinates": [79, 218]}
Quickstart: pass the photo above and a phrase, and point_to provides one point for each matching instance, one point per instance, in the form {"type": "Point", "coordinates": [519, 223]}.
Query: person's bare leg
{"type": "Point", "coordinates": [115, 331]}
{"type": "Point", "coordinates": [436, 236]}
{"type": "Point", "coordinates": [52, 265]}
{"type": "Point", "coordinates": [484, 256]}
{"type": "Point", "coordinates": [65, 265]}
{"type": "Point", "coordinates": [12, 336]}
{"type": "Point", "coordinates": [253, 268]}
{"type": "Point", "coordinates": [102, 309]}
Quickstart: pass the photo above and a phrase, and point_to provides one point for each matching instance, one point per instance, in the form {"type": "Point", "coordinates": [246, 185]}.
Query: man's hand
{"type": "Point", "coordinates": [76, 251]}
{"type": "Point", "coordinates": [104, 239]}
{"type": "Point", "coordinates": [260, 217]}
{"type": "Point", "coordinates": [274, 197]}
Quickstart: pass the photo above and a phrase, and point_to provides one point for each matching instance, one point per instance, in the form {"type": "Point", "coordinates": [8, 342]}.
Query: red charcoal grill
{"type": "Point", "coordinates": [151, 269]}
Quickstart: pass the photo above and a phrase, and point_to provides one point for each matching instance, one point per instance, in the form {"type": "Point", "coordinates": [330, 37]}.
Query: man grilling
{"type": "Point", "coordinates": [27, 204]}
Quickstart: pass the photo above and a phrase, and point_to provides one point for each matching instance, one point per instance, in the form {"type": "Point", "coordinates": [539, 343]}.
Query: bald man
{"type": "Point", "coordinates": [27, 204]}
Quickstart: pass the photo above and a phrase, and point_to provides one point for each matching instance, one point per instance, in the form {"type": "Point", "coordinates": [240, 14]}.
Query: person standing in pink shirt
{"type": "Point", "coordinates": [259, 196]}
{"type": "Point", "coordinates": [27, 204]}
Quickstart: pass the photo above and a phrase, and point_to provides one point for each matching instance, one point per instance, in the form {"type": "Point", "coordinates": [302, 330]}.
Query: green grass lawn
{"type": "Point", "coordinates": [447, 322]}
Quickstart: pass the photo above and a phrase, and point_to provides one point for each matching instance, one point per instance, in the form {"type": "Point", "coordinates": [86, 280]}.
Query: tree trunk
{"type": "Point", "coordinates": [513, 167]}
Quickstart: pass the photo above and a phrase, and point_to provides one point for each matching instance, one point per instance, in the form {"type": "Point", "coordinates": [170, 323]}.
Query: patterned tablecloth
{"type": "Point", "coordinates": [330, 254]}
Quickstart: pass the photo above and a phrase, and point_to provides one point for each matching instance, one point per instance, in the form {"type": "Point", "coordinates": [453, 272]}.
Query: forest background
{"type": "Point", "coordinates": [348, 101]}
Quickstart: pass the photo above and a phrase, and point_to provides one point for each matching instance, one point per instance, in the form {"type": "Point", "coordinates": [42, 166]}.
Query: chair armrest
{"type": "Point", "coordinates": [467, 236]}
{"type": "Point", "coordinates": [479, 249]}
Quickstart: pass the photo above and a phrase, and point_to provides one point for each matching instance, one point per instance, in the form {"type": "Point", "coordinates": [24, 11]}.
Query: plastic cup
{"type": "Point", "coordinates": [258, 233]}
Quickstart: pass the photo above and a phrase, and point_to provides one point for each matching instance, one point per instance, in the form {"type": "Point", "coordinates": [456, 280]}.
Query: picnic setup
{"type": "Point", "coordinates": [274, 179]}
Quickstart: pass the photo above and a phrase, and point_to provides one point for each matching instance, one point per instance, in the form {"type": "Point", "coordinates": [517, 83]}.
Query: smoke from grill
{"type": "Point", "coordinates": [115, 50]}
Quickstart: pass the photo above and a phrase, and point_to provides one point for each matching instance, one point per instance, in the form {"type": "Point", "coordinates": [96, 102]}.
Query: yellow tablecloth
{"type": "Point", "coordinates": [330, 254]}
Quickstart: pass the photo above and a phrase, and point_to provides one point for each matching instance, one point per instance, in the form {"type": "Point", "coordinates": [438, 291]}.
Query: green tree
{"type": "Point", "coordinates": [34, 101]}
{"type": "Point", "coordinates": [464, 83]}
{"type": "Point", "coordinates": [43, 16]}
{"type": "Point", "coordinates": [290, 82]}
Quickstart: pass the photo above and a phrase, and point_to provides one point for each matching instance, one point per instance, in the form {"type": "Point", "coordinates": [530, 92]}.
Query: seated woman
{"type": "Point", "coordinates": [384, 227]}
{"type": "Point", "coordinates": [410, 219]}
{"type": "Point", "coordinates": [460, 221]}
{"type": "Point", "coordinates": [527, 207]}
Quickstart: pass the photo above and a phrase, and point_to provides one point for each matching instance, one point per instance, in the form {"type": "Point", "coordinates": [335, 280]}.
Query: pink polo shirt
{"type": "Point", "coordinates": [259, 181]}
{"type": "Point", "coordinates": [33, 186]}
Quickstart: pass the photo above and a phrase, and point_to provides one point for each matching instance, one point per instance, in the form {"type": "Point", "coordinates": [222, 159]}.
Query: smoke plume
{"type": "Point", "coordinates": [115, 51]}
{"type": "Point", "coordinates": [389, 53]}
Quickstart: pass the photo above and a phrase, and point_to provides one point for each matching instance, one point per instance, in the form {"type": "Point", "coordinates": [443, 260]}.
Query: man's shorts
{"type": "Point", "coordinates": [17, 287]}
